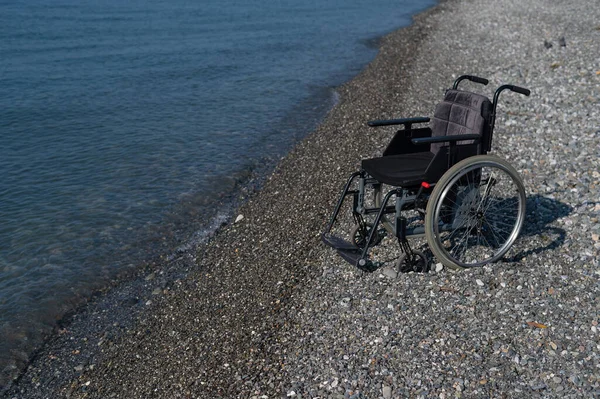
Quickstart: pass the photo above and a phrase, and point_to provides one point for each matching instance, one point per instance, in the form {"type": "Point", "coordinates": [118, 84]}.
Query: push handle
{"type": "Point", "coordinates": [472, 78]}
{"type": "Point", "coordinates": [479, 80]}
{"type": "Point", "coordinates": [520, 90]}
{"type": "Point", "coordinates": [516, 89]}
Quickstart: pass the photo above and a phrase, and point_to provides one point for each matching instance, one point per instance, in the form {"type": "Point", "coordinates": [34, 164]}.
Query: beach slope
{"type": "Point", "coordinates": [268, 311]}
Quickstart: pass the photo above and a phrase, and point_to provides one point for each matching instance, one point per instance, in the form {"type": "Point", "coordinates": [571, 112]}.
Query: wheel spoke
{"type": "Point", "coordinates": [482, 199]}
{"type": "Point", "coordinates": [465, 238]}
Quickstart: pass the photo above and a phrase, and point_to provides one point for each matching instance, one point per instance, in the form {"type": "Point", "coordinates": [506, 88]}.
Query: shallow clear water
{"type": "Point", "coordinates": [125, 126]}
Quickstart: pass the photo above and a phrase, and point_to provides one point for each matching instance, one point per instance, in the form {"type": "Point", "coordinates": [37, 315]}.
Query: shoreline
{"type": "Point", "coordinates": [72, 252]}
{"type": "Point", "coordinates": [267, 310]}
{"type": "Point", "coordinates": [120, 303]}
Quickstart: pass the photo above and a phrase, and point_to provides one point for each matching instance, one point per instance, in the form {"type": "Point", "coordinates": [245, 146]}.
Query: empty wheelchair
{"type": "Point", "coordinates": [436, 182]}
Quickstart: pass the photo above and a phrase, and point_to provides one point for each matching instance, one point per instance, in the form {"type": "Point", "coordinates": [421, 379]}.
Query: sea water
{"type": "Point", "coordinates": [126, 125]}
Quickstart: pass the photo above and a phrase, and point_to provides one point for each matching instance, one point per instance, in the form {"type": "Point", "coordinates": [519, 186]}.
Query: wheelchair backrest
{"type": "Point", "coordinates": [462, 112]}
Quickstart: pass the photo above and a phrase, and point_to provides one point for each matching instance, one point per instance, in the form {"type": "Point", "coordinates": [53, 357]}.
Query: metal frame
{"type": "Point", "coordinates": [405, 198]}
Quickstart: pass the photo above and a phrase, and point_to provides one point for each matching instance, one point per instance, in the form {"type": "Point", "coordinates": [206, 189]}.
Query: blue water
{"type": "Point", "coordinates": [125, 125]}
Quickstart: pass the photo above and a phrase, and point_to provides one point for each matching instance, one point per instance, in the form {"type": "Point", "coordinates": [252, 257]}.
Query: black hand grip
{"type": "Point", "coordinates": [479, 80]}
{"type": "Point", "coordinates": [520, 90]}
{"type": "Point", "coordinates": [472, 78]}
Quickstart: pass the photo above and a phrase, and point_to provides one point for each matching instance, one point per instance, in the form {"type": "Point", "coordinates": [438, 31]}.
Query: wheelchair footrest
{"type": "Point", "coordinates": [348, 252]}
{"type": "Point", "coordinates": [350, 256]}
{"type": "Point", "coordinates": [354, 257]}
{"type": "Point", "coordinates": [337, 242]}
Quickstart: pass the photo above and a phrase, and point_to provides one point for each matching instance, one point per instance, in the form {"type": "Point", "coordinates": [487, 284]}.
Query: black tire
{"type": "Point", "coordinates": [358, 236]}
{"type": "Point", "coordinates": [420, 264]}
{"type": "Point", "coordinates": [486, 200]}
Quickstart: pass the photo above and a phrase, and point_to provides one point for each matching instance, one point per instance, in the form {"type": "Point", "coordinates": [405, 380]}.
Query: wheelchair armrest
{"type": "Point", "coordinates": [445, 139]}
{"type": "Point", "coordinates": [404, 121]}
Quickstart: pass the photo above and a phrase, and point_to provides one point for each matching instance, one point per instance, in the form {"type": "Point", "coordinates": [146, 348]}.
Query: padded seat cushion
{"type": "Point", "coordinates": [399, 170]}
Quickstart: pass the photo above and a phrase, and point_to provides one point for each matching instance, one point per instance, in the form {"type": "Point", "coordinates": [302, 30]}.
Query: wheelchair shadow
{"type": "Point", "coordinates": [541, 212]}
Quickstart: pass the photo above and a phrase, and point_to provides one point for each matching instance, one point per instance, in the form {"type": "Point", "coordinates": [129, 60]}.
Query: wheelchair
{"type": "Point", "coordinates": [468, 205]}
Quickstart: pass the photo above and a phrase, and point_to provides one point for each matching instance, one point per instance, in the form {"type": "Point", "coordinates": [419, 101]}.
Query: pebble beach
{"type": "Point", "coordinates": [265, 310]}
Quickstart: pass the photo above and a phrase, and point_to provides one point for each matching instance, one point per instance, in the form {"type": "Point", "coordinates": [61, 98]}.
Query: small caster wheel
{"type": "Point", "coordinates": [360, 234]}
{"type": "Point", "coordinates": [366, 265]}
{"type": "Point", "coordinates": [414, 262]}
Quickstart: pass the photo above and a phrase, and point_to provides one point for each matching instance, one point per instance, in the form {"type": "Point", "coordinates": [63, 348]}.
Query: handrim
{"type": "Point", "coordinates": [440, 194]}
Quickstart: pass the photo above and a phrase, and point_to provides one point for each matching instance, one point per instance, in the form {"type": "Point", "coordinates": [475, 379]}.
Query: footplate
{"type": "Point", "coordinates": [354, 257]}
{"type": "Point", "coordinates": [337, 242]}
{"type": "Point", "coordinates": [348, 252]}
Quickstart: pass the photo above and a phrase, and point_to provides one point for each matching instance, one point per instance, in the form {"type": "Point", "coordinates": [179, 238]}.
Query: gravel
{"type": "Point", "coordinates": [268, 311]}
{"type": "Point", "coordinates": [524, 327]}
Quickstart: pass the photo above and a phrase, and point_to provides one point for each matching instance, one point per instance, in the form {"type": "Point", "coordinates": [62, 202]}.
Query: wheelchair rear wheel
{"type": "Point", "coordinates": [475, 212]}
